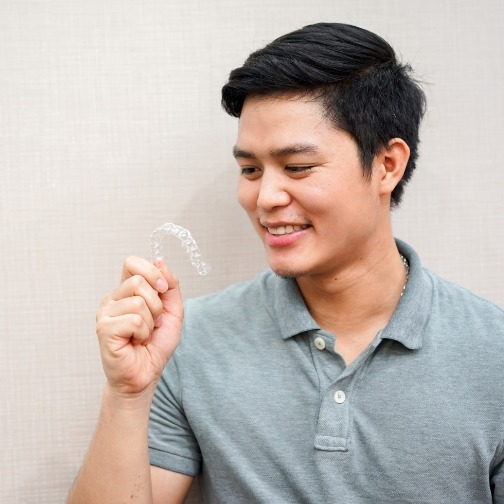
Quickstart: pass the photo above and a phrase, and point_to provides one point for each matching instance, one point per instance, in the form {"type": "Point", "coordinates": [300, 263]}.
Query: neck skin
{"type": "Point", "coordinates": [359, 301]}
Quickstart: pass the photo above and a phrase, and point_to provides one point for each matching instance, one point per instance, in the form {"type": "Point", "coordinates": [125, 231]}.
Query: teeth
{"type": "Point", "coordinates": [281, 230]}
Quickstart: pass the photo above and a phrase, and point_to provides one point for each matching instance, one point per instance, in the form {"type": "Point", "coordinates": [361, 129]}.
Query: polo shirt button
{"type": "Point", "coordinates": [340, 397]}
{"type": "Point", "coordinates": [319, 343]}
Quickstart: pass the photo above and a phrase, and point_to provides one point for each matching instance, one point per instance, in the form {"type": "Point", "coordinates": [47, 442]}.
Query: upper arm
{"type": "Point", "coordinates": [169, 487]}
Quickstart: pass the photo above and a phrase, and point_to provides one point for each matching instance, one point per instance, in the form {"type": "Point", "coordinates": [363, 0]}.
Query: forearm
{"type": "Point", "coordinates": [116, 468]}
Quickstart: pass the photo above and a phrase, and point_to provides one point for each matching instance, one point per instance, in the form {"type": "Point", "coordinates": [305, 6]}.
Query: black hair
{"type": "Point", "coordinates": [355, 74]}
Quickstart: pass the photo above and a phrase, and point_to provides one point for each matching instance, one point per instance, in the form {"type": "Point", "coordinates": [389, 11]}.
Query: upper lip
{"type": "Point", "coordinates": [274, 225]}
{"type": "Point", "coordinates": [285, 229]}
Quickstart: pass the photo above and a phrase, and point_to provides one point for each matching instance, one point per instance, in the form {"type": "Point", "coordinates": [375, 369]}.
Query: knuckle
{"type": "Point", "coordinates": [129, 267]}
{"type": "Point", "coordinates": [101, 327]}
{"type": "Point", "coordinates": [138, 303]}
{"type": "Point", "coordinates": [129, 262]}
{"type": "Point", "coordinates": [137, 321]}
{"type": "Point", "coordinates": [101, 313]}
{"type": "Point", "coordinates": [137, 281]}
{"type": "Point", "coordinates": [105, 300]}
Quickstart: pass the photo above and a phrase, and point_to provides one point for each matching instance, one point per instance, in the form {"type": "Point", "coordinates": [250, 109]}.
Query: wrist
{"type": "Point", "coordinates": [119, 400]}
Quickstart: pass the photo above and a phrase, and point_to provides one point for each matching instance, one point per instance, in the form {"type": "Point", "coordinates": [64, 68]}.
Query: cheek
{"type": "Point", "coordinates": [247, 196]}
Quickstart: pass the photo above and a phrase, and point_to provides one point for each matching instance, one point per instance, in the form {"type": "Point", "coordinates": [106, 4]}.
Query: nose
{"type": "Point", "coordinates": [273, 191]}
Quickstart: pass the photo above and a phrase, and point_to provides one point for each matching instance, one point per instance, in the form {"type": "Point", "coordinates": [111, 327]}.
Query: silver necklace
{"type": "Point", "coordinates": [406, 267]}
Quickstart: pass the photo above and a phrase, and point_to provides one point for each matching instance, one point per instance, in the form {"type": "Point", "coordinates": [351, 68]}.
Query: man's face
{"type": "Point", "coordinates": [303, 188]}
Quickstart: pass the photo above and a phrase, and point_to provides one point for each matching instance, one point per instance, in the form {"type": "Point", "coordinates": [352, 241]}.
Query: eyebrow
{"type": "Point", "coordinates": [299, 148]}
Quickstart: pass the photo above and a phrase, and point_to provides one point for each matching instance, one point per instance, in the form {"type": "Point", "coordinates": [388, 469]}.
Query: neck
{"type": "Point", "coordinates": [360, 299]}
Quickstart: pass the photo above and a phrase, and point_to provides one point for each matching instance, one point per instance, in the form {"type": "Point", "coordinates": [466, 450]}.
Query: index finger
{"type": "Point", "coordinates": [138, 266]}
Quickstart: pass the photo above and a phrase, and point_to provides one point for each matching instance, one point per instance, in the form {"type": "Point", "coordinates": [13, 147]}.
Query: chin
{"type": "Point", "coordinates": [289, 266]}
{"type": "Point", "coordinates": [286, 276]}
{"type": "Point", "coordinates": [284, 272]}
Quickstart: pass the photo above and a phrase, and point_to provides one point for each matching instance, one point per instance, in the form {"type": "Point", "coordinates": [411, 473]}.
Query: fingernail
{"type": "Point", "coordinates": [161, 285]}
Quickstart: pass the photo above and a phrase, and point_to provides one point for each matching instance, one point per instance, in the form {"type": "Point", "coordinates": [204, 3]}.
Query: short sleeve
{"type": "Point", "coordinates": [172, 444]}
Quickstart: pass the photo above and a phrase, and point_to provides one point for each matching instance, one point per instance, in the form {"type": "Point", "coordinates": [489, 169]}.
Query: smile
{"type": "Point", "coordinates": [282, 230]}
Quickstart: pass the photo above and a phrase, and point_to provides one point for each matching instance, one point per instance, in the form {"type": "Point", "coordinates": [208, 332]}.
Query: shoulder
{"type": "Point", "coordinates": [444, 301]}
{"type": "Point", "coordinates": [455, 297]}
{"type": "Point", "coordinates": [463, 312]}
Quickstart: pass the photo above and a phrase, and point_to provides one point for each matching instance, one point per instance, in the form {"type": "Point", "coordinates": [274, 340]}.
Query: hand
{"type": "Point", "coordinates": [138, 326]}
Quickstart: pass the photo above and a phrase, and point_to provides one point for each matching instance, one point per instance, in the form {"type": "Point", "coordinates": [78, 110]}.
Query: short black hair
{"type": "Point", "coordinates": [356, 75]}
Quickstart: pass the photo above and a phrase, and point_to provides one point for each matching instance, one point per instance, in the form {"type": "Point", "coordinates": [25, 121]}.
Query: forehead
{"type": "Point", "coordinates": [284, 112]}
{"type": "Point", "coordinates": [270, 108]}
{"type": "Point", "coordinates": [273, 122]}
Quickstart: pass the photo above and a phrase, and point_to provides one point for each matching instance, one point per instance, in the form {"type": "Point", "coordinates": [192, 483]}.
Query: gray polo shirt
{"type": "Point", "coordinates": [257, 402]}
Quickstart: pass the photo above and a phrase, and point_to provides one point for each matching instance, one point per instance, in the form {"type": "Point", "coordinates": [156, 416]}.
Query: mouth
{"type": "Point", "coordinates": [283, 230]}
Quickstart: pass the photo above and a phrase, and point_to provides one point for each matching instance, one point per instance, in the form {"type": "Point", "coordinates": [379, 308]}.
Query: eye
{"type": "Point", "coordinates": [299, 169]}
{"type": "Point", "coordinates": [249, 171]}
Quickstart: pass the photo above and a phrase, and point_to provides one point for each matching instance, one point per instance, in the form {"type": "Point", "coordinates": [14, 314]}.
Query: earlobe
{"type": "Point", "coordinates": [393, 160]}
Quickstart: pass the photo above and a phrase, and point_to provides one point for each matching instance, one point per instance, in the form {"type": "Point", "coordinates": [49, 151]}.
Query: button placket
{"type": "Point", "coordinates": [336, 409]}
{"type": "Point", "coordinates": [334, 416]}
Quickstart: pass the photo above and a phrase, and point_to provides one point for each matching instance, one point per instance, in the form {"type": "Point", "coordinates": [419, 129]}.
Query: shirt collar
{"type": "Point", "coordinates": [407, 322]}
{"type": "Point", "coordinates": [289, 309]}
{"type": "Point", "coordinates": [413, 311]}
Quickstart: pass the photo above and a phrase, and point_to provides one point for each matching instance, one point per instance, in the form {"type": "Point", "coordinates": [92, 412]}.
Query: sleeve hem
{"type": "Point", "coordinates": [173, 462]}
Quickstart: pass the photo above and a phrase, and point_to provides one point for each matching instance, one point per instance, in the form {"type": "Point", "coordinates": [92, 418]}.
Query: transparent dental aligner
{"type": "Point", "coordinates": [187, 241]}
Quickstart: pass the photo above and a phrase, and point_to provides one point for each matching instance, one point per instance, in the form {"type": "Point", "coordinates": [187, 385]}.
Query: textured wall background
{"type": "Point", "coordinates": [111, 125]}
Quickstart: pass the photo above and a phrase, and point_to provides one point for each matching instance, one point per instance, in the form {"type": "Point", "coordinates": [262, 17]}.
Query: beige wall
{"type": "Point", "coordinates": [110, 125]}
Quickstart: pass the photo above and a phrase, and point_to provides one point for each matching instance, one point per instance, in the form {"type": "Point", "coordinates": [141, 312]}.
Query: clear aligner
{"type": "Point", "coordinates": [188, 243]}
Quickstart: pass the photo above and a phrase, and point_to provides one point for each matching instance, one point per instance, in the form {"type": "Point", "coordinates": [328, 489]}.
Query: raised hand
{"type": "Point", "coordinates": [138, 326]}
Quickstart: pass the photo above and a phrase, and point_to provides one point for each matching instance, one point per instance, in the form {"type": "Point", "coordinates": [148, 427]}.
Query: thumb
{"type": "Point", "coordinates": [166, 335]}
{"type": "Point", "coordinates": [172, 297]}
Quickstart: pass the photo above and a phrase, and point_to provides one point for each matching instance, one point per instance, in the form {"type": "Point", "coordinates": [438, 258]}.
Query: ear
{"type": "Point", "coordinates": [391, 163]}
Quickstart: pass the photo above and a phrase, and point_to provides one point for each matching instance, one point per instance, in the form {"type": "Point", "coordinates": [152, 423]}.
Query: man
{"type": "Point", "coordinates": [347, 373]}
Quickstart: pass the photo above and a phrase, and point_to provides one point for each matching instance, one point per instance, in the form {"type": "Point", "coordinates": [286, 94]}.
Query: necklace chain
{"type": "Point", "coordinates": [407, 268]}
